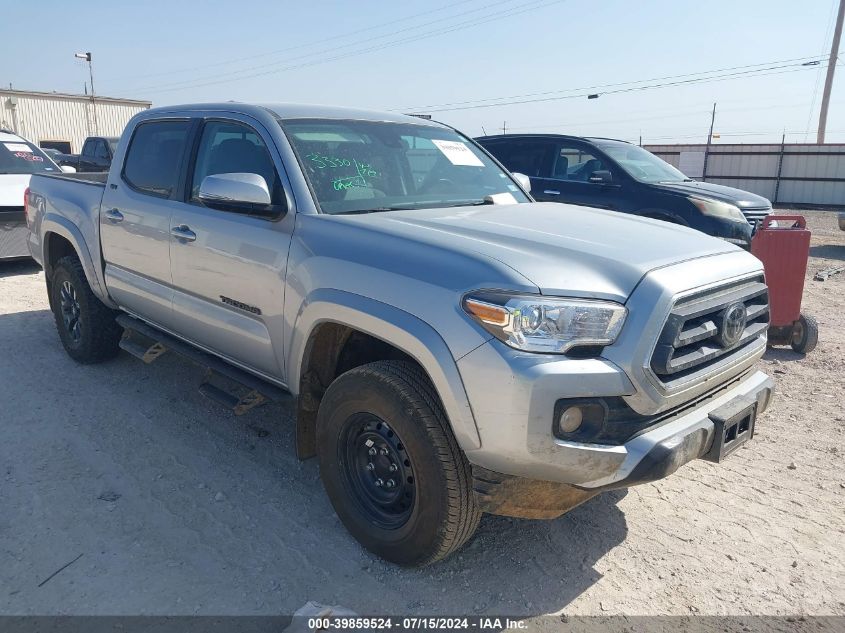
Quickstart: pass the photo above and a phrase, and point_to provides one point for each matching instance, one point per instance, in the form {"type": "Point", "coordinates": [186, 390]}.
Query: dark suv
{"type": "Point", "coordinates": [616, 175]}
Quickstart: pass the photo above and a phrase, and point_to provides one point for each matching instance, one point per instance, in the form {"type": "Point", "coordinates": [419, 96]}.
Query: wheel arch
{"type": "Point", "coordinates": [336, 331]}
{"type": "Point", "coordinates": [60, 238]}
{"type": "Point", "coordinates": [664, 215]}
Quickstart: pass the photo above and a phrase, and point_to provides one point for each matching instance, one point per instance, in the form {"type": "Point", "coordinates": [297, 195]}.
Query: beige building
{"type": "Point", "coordinates": [63, 121]}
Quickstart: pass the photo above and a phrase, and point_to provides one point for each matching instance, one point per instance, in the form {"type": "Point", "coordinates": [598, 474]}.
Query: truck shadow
{"type": "Point", "coordinates": [12, 267]}
{"type": "Point", "coordinates": [783, 354]}
{"type": "Point", "coordinates": [270, 531]}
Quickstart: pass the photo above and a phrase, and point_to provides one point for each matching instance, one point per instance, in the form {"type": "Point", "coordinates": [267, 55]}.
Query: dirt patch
{"type": "Point", "coordinates": [178, 507]}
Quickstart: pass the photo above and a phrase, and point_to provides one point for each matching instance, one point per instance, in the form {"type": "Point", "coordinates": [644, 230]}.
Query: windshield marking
{"type": "Point", "coordinates": [360, 180]}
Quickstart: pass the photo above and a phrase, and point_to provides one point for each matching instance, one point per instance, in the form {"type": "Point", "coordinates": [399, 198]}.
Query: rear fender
{"type": "Point", "coordinates": [53, 223]}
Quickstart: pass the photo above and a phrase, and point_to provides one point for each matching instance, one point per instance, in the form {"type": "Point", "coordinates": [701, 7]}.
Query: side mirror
{"type": "Point", "coordinates": [601, 177]}
{"type": "Point", "coordinates": [67, 169]}
{"type": "Point", "coordinates": [523, 180]}
{"type": "Point", "coordinates": [238, 192]}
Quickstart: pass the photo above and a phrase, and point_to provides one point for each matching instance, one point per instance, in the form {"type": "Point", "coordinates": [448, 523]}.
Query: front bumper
{"type": "Point", "coordinates": [515, 420]}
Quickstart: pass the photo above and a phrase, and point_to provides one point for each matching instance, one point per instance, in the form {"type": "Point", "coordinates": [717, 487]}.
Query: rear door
{"type": "Point", "coordinates": [229, 267]}
{"type": "Point", "coordinates": [135, 219]}
{"type": "Point", "coordinates": [529, 156]}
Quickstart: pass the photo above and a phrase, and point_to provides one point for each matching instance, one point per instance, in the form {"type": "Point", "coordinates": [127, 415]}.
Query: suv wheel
{"type": "Point", "coordinates": [86, 325]}
{"type": "Point", "coordinates": [391, 466]}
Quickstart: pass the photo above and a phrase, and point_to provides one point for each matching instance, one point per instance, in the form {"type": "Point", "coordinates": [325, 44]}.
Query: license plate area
{"type": "Point", "coordinates": [733, 426]}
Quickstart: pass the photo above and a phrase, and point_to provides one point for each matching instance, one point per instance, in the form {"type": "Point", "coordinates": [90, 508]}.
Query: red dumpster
{"type": "Point", "coordinates": [782, 243]}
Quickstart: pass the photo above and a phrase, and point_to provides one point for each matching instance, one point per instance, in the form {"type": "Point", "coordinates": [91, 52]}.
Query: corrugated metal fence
{"type": "Point", "coordinates": [787, 174]}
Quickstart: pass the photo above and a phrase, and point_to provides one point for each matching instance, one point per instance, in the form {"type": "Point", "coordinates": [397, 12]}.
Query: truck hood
{"type": "Point", "coordinates": [562, 249]}
{"type": "Point", "coordinates": [742, 199]}
{"type": "Point", "coordinates": [12, 187]}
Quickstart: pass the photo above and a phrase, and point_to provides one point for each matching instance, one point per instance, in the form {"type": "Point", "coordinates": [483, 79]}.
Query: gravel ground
{"type": "Point", "coordinates": [168, 504]}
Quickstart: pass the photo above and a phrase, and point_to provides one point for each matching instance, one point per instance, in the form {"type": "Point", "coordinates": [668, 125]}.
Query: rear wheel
{"type": "Point", "coordinates": [805, 334]}
{"type": "Point", "coordinates": [87, 327]}
{"type": "Point", "coordinates": [391, 466]}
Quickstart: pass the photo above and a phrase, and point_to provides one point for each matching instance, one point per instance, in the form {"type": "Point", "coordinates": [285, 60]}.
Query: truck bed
{"type": "Point", "coordinates": [90, 178]}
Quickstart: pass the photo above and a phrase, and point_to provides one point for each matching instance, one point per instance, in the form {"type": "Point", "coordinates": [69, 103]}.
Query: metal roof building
{"type": "Point", "coordinates": [63, 121]}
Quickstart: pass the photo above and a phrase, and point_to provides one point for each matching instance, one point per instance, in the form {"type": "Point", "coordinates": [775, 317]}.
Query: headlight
{"type": "Point", "coordinates": [546, 324]}
{"type": "Point", "coordinates": [718, 209]}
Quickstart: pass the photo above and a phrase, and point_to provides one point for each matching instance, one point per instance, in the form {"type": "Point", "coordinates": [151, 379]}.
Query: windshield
{"type": "Point", "coordinates": [21, 157]}
{"type": "Point", "coordinates": [363, 166]}
{"type": "Point", "coordinates": [112, 144]}
{"type": "Point", "coordinates": [641, 164]}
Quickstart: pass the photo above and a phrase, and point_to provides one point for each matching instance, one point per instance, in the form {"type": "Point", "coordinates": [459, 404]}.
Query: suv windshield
{"type": "Point", "coordinates": [363, 166]}
{"type": "Point", "coordinates": [641, 164]}
{"type": "Point", "coordinates": [22, 157]}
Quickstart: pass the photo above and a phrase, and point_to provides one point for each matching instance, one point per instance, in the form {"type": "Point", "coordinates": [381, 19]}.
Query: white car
{"type": "Point", "coordinates": [19, 159]}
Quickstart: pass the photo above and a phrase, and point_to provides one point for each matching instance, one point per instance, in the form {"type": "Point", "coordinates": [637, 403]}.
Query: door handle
{"type": "Point", "coordinates": [183, 233]}
{"type": "Point", "coordinates": [552, 192]}
{"type": "Point", "coordinates": [113, 215]}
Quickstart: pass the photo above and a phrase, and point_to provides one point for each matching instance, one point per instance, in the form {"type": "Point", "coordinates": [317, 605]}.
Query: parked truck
{"type": "Point", "coordinates": [452, 346]}
{"type": "Point", "coordinates": [96, 156]}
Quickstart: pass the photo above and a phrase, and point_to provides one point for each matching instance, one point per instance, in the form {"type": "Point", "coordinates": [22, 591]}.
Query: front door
{"type": "Point", "coordinates": [570, 181]}
{"type": "Point", "coordinates": [228, 267]}
{"type": "Point", "coordinates": [135, 220]}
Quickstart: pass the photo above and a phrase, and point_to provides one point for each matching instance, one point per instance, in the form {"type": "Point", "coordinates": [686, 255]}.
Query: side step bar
{"type": "Point", "coordinates": [148, 343]}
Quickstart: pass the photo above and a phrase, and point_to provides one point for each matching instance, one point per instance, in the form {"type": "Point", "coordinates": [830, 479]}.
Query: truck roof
{"type": "Point", "coordinates": [287, 111]}
{"type": "Point", "coordinates": [549, 135]}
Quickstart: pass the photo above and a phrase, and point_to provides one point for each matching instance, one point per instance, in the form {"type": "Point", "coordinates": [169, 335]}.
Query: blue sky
{"type": "Point", "coordinates": [395, 55]}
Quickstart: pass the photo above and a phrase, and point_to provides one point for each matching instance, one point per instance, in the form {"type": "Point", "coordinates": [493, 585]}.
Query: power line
{"type": "Point", "coordinates": [772, 70]}
{"type": "Point", "coordinates": [600, 86]}
{"type": "Point", "coordinates": [519, 9]}
{"type": "Point", "coordinates": [236, 60]}
{"type": "Point", "coordinates": [674, 113]}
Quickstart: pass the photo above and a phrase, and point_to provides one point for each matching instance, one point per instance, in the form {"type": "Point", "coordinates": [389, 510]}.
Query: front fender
{"type": "Point", "coordinates": [54, 223]}
{"type": "Point", "coordinates": [398, 328]}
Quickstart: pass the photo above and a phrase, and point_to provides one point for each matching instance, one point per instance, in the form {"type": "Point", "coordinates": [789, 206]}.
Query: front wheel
{"type": "Point", "coordinates": [86, 326]}
{"type": "Point", "coordinates": [391, 466]}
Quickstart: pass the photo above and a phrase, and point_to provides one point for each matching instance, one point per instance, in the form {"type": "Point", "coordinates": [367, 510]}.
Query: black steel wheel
{"type": "Point", "coordinates": [391, 466]}
{"type": "Point", "coordinates": [378, 470]}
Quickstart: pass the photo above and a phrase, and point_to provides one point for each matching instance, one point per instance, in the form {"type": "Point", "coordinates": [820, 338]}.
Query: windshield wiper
{"type": "Point", "coordinates": [421, 205]}
{"type": "Point", "coordinates": [471, 203]}
{"type": "Point", "coordinates": [375, 210]}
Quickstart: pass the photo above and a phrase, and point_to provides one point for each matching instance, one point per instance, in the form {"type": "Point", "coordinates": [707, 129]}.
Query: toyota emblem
{"type": "Point", "coordinates": [733, 324]}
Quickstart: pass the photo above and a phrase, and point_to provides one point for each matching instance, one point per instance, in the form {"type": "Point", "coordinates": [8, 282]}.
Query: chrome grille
{"type": "Point", "coordinates": [696, 338]}
{"type": "Point", "coordinates": [755, 216]}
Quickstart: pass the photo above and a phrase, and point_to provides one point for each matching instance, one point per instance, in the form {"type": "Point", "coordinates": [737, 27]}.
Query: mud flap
{"type": "Point", "coordinates": [523, 498]}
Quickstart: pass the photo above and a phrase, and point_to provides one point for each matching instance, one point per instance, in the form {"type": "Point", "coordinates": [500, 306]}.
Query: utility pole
{"type": "Point", "coordinates": [504, 127]}
{"type": "Point", "coordinates": [87, 58]}
{"type": "Point", "coordinates": [709, 140]}
{"type": "Point", "coordinates": [831, 67]}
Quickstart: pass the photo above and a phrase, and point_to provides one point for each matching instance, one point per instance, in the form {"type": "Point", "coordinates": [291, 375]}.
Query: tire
{"type": "Point", "coordinates": [390, 407]}
{"type": "Point", "coordinates": [805, 334]}
{"type": "Point", "coordinates": [87, 327]}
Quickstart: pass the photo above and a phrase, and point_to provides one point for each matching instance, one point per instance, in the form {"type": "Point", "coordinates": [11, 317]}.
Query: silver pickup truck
{"type": "Point", "coordinates": [453, 347]}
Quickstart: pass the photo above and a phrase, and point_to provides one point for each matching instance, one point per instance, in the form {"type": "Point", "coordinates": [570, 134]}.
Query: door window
{"type": "Point", "coordinates": [229, 147]}
{"type": "Point", "coordinates": [154, 158]}
{"type": "Point", "coordinates": [101, 151]}
{"type": "Point", "coordinates": [575, 164]}
{"type": "Point", "coordinates": [524, 157]}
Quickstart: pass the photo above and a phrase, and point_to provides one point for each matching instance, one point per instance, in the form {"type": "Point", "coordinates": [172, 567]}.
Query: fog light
{"type": "Point", "coordinates": [570, 420]}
